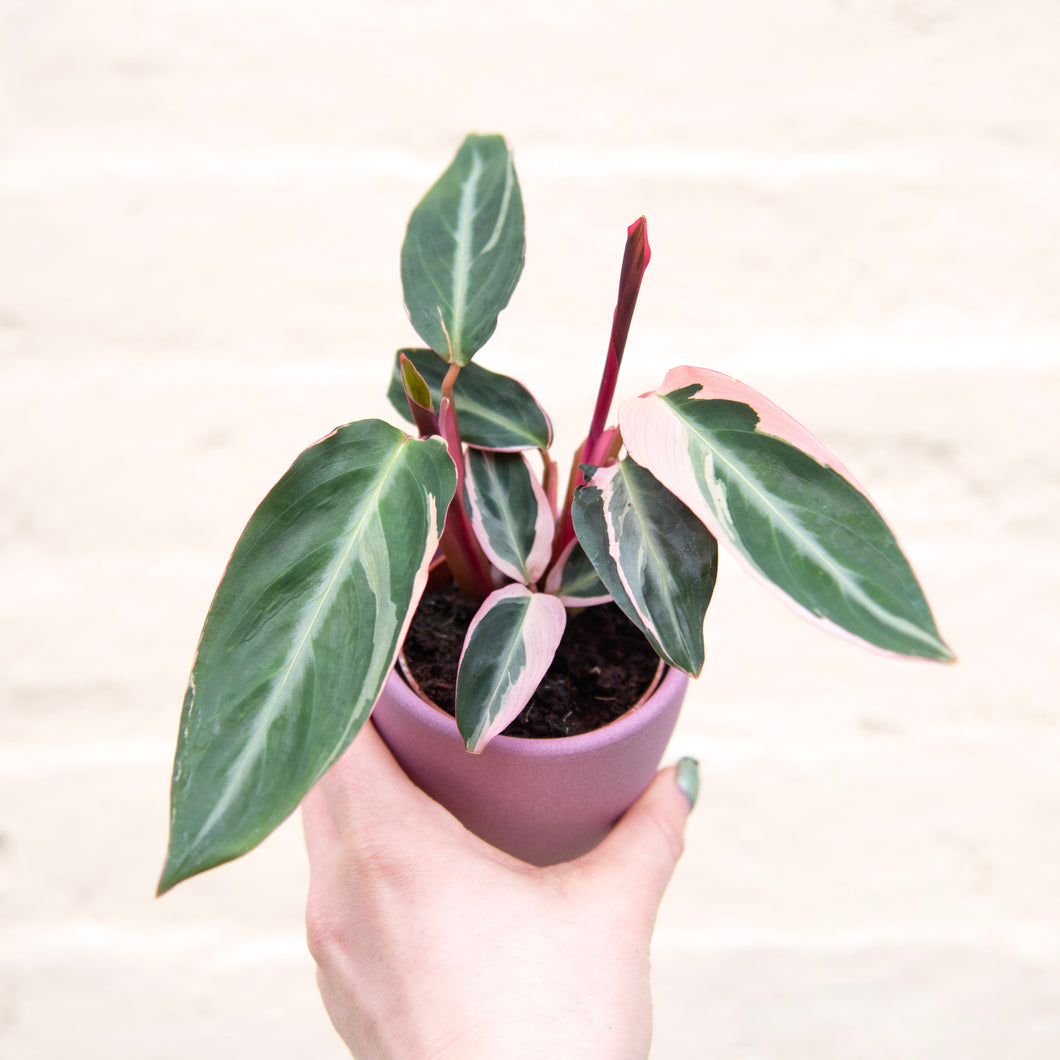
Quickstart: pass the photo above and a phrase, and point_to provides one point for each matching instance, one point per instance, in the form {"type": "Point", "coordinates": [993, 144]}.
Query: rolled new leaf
{"type": "Point", "coordinates": [509, 512]}
{"type": "Point", "coordinates": [509, 646]}
{"type": "Point", "coordinates": [782, 503]}
{"type": "Point", "coordinates": [656, 558]}
{"type": "Point", "coordinates": [463, 250]}
{"type": "Point", "coordinates": [418, 399]}
{"type": "Point", "coordinates": [495, 411]}
{"type": "Point", "coordinates": [301, 635]}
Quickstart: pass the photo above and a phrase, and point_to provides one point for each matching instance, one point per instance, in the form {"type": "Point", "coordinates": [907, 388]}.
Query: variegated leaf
{"type": "Point", "coordinates": [463, 250]}
{"type": "Point", "coordinates": [784, 506]}
{"type": "Point", "coordinates": [301, 635]}
{"type": "Point", "coordinates": [508, 648]}
{"type": "Point", "coordinates": [573, 579]}
{"type": "Point", "coordinates": [509, 512]}
{"type": "Point", "coordinates": [495, 411]}
{"type": "Point", "coordinates": [656, 558]}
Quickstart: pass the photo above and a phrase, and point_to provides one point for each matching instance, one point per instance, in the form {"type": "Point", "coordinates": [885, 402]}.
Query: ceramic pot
{"type": "Point", "coordinates": [544, 801]}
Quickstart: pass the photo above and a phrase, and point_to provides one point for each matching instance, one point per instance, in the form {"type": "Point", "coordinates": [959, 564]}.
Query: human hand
{"type": "Point", "coordinates": [432, 944]}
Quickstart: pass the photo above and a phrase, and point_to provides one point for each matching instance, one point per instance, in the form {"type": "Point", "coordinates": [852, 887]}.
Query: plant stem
{"type": "Point", "coordinates": [602, 446]}
{"type": "Point", "coordinates": [447, 392]}
{"type": "Point", "coordinates": [465, 558]}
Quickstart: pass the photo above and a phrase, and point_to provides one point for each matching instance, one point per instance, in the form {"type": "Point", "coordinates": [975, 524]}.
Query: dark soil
{"type": "Point", "coordinates": [603, 666]}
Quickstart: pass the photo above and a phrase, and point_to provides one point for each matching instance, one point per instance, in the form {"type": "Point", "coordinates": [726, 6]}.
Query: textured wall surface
{"type": "Point", "coordinates": [853, 205]}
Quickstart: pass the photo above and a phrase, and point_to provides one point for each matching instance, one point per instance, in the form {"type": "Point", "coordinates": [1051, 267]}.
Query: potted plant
{"type": "Point", "coordinates": [317, 599]}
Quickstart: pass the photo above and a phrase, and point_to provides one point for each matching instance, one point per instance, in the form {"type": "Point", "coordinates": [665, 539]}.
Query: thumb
{"type": "Point", "coordinates": [643, 848]}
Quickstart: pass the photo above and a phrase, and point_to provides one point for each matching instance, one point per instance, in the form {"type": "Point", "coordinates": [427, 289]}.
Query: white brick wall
{"type": "Point", "coordinates": [852, 205]}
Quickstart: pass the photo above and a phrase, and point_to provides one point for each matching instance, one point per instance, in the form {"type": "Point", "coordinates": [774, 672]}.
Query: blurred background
{"type": "Point", "coordinates": [853, 206]}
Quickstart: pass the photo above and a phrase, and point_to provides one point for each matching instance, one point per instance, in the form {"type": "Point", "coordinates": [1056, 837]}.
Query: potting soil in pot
{"type": "Point", "coordinates": [603, 666]}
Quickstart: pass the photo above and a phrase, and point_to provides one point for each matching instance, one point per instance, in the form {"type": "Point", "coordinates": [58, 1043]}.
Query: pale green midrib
{"type": "Point", "coordinates": [260, 729]}
{"type": "Point", "coordinates": [483, 519]}
{"type": "Point", "coordinates": [509, 525]}
{"type": "Point", "coordinates": [588, 579]}
{"type": "Point", "coordinates": [509, 182]}
{"type": "Point", "coordinates": [484, 412]}
{"type": "Point", "coordinates": [848, 585]}
{"type": "Point", "coordinates": [638, 508]}
{"type": "Point", "coordinates": [611, 531]}
{"type": "Point", "coordinates": [498, 673]}
{"type": "Point", "coordinates": [462, 255]}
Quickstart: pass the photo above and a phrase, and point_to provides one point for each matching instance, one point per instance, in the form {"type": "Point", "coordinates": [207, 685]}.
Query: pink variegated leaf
{"type": "Point", "coordinates": [509, 512]}
{"type": "Point", "coordinates": [784, 506]}
{"type": "Point", "coordinates": [656, 558]}
{"type": "Point", "coordinates": [573, 579]}
{"type": "Point", "coordinates": [509, 646]}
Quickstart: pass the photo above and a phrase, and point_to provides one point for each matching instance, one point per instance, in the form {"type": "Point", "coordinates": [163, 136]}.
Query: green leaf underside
{"type": "Point", "coordinates": [576, 582]}
{"type": "Point", "coordinates": [495, 411]}
{"type": "Point", "coordinates": [507, 651]}
{"type": "Point", "coordinates": [463, 250]}
{"type": "Point", "coordinates": [509, 513]}
{"type": "Point", "coordinates": [301, 635]}
{"type": "Point", "coordinates": [656, 558]}
{"type": "Point", "coordinates": [803, 527]}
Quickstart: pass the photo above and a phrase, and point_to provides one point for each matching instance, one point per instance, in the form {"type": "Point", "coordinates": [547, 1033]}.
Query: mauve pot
{"type": "Point", "coordinates": [544, 801]}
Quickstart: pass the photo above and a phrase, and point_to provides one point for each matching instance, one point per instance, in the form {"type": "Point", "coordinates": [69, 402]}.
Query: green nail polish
{"type": "Point", "coordinates": [688, 779]}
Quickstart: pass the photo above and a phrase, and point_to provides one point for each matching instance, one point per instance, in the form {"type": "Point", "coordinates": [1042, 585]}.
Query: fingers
{"type": "Point", "coordinates": [367, 792]}
{"type": "Point", "coordinates": [355, 785]}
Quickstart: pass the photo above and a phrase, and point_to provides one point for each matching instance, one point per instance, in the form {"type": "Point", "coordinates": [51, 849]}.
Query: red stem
{"type": "Point", "coordinates": [463, 554]}
{"type": "Point", "coordinates": [602, 446]}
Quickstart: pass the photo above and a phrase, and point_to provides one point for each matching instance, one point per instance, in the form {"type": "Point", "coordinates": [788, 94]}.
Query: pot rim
{"type": "Point", "coordinates": [666, 683]}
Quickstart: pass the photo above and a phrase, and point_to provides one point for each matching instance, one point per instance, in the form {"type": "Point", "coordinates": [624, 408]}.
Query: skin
{"type": "Point", "coordinates": [431, 944]}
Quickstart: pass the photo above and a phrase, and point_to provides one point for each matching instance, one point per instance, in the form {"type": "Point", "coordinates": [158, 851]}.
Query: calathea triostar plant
{"type": "Point", "coordinates": [319, 592]}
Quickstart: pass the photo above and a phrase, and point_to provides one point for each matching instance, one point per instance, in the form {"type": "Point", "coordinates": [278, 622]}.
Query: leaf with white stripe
{"type": "Point", "coordinates": [509, 512]}
{"type": "Point", "coordinates": [656, 558]}
{"type": "Point", "coordinates": [573, 579]}
{"type": "Point", "coordinates": [463, 250]}
{"type": "Point", "coordinates": [495, 411]}
{"type": "Point", "coordinates": [784, 505]}
{"type": "Point", "coordinates": [509, 647]}
{"type": "Point", "coordinates": [301, 635]}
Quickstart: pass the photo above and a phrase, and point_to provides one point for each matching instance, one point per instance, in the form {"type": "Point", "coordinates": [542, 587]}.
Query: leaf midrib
{"type": "Point", "coordinates": [638, 508]}
{"type": "Point", "coordinates": [267, 714]}
{"type": "Point", "coordinates": [848, 585]}
{"type": "Point", "coordinates": [462, 257]}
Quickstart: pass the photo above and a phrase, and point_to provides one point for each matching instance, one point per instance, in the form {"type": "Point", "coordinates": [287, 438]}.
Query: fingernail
{"type": "Point", "coordinates": [688, 779]}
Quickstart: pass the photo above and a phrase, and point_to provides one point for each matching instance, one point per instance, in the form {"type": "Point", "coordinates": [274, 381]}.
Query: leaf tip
{"type": "Point", "coordinates": [946, 654]}
{"type": "Point", "coordinates": [169, 879]}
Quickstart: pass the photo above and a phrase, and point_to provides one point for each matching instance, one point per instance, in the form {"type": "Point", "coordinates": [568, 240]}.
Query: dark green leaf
{"type": "Point", "coordinates": [574, 579]}
{"type": "Point", "coordinates": [656, 558]}
{"type": "Point", "coordinates": [463, 250]}
{"type": "Point", "coordinates": [495, 411]}
{"type": "Point", "coordinates": [301, 635]}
